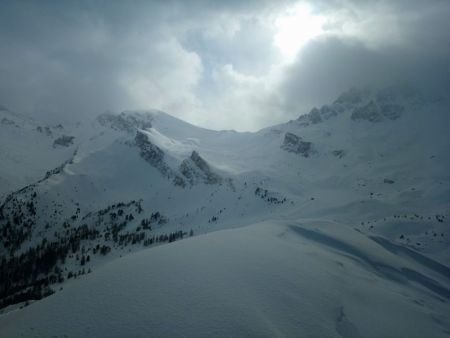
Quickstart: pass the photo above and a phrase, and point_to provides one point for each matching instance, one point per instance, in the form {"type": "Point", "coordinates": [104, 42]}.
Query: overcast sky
{"type": "Point", "coordinates": [220, 64]}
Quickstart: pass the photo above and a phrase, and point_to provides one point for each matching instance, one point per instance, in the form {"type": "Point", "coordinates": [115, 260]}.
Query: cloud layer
{"type": "Point", "coordinates": [212, 63]}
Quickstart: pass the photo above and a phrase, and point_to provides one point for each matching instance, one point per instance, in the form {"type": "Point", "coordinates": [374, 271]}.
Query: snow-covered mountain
{"type": "Point", "coordinates": [346, 212]}
{"type": "Point", "coordinates": [28, 149]}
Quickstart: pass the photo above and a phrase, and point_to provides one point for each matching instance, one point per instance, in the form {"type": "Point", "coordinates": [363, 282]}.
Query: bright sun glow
{"type": "Point", "coordinates": [296, 27]}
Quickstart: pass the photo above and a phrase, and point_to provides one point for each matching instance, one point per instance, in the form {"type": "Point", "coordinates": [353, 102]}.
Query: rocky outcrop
{"type": "Point", "coordinates": [196, 169]}
{"type": "Point", "coordinates": [369, 112]}
{"type": "Point", "coordinates": [327, 112]}
{"type": "Point", "coordinates": [152, 154]}
{"type": "Point", "coordinates": [314, 116]}
{"type": "Point", "coordinates": [63, 141]}
{"type": "Point", "coordinates": [295, 144]}
{"type": "Point", "coordinates": [365, 104]}
{"type": "Point", "coordinates": [127, 122]}
{"type": "Point", "coordinates": [192, 170]}
{"type": "Point", "coordinates": [318, 115]}
{"type": "Point", "coordinates": [374, 112]}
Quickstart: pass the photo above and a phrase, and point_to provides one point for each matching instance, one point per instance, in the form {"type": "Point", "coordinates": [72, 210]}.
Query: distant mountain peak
{"type": "Point", "coordinates": [366, 103]}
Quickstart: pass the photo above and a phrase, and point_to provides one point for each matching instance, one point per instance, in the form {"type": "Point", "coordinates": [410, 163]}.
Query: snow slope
{"type": "Point", "coordinates": [286, 279]}
{"type": "Point", "coordinates": [27, 151]}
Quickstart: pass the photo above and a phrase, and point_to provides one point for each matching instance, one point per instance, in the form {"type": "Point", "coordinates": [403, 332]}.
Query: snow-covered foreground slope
{"type": "Point", "coordinates": [269, 279]}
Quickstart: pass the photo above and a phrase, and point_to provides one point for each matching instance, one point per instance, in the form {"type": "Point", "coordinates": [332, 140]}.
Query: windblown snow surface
{"type": "Point", "coordinates": [332, 225]}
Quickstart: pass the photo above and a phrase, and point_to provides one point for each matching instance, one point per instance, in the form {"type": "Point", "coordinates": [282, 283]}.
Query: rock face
{"type": "Point", "coordinates": [317, 115]}
{"type": "Point", "coordinates": [365, 104]}
{"type": "Point", "coordinates": [369, 112]}
{"type": "Point", "coordinates": [148, 151]}
{"type": "Point", "coordinates": [63, 141]}
{"type": "Point", "coordinates": [327, 112]}
{"type": "Point", "coordinates": [193, 169]}
{"type": "Point", "coordinates": [125, 121]}
{"type": "Point", "coordinates": [314, 116]}
{"type": "Point", "coordinates": [377, 112]}
{"type": "Point", "coordinates": [294, 144]}
{"type": "Point", "coordinates": [155, 157]}
{"type": "Point", "coordinates": [196, 169]}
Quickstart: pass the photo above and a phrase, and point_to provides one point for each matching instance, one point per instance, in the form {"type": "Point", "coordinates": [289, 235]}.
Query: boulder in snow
{"type": "Point", "coordinates": [294, 144]}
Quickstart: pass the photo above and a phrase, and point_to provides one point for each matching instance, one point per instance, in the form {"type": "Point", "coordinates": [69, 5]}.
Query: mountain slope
{"type": "Point", "coordinates": [29, 149]}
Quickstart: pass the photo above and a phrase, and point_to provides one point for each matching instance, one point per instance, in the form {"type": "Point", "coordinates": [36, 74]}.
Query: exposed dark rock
{"type": "Point", "coordinates": [318, 115]}
{"type": "Point", "coordinates": [369, 112]}
{"type": "Point", "coordinates": [326, 112]}
{"type": "Point", "coordinates": [314, 116]}
{"type": "Point", "coordinates": [294, 144]}
{"type": "Point", "coordinates": [155, 156]}
{"type": "Point", "coordinates": [388, 181]}
{"type": "Point", "coordinates": [149, 152]}
{"type": "Point", "coordinates": [188, 171]}
{"type": "Point", "coordinates": [64, 141]}
{"type": "Point", "coordinates": [376, 112]}
{"type": "Point", "coordinates": [128, 122]}
{"type": "Point", "coordinates": [196, 168]}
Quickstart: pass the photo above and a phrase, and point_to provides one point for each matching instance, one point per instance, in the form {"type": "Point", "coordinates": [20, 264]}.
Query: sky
{"type": "Point", "coordinates": [240, 65]}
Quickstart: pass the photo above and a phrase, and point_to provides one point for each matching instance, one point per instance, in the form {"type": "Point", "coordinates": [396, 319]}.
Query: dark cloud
{"type": "Point", "coordinates": [210, 62]}
{"type": "Point", "coordinates": [77, 58]}
{"type": "Point", "coordinates": [327, 66]}
{"type": "Point", "coordinates": [399, 42]}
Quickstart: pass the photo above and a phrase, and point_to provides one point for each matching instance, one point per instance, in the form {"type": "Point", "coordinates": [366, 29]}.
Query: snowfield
{"type": "Point", "coordinates": [138, 224]}
{"type": "Point", "coordinates": [284, 279]}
